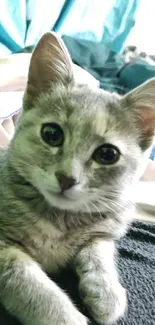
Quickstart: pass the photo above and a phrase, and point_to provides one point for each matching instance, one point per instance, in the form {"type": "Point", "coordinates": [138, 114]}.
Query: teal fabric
{"type": "Point", "coordinates": [136, 72]}
{"type": "Point", "coordinates": [22, 22]}
{"type": "Point", "coordinates": [119, 22]}
{"type": "Point", "coordinates": [12, 25]}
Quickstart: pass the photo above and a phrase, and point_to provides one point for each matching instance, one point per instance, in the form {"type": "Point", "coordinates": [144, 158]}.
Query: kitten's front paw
{"type": "Point", "coordinates": [105, 301]}
{"type": "Point", "coordinates": [71, 316]}
{"type": "Point", "coordinates": [76, 319]}
{"type": "Point", "coordinates": [65, 313]}
{"type": "Point", "coordinates": [67, 316]}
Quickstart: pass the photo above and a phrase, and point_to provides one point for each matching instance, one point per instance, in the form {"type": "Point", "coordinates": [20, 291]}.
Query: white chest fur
{"type": "Point", "coordinates": [53, 248]}
{"type": "Point", "coordinates": [50, 247]}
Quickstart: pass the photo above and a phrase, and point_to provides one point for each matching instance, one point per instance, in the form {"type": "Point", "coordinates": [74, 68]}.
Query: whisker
{"type": "Point", "coordinates": [87, 207]}
{"type": "Point", "coordinates": [95, 206]}
{"type": "Point", "coordinates": [115, 203]}
{"type": "Point", "coordinates": [108, 207]}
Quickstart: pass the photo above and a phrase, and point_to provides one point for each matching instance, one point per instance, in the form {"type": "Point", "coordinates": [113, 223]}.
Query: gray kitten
{"type": "Point", "coordinates": [65, 190]}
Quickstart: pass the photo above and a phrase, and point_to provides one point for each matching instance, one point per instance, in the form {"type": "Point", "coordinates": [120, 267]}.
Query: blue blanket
{"type": "Point", "coordinates": [22, 22]}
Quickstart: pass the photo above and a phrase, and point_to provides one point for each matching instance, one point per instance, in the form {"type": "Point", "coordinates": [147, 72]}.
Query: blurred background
{"type": "Point", "coordinates": [113, 40]}
{"type": "Point", "coordinates": [117, 23]}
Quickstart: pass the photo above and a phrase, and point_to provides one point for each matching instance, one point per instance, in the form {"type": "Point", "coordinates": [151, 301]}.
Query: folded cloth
{"type": "Point", "coordinates": [13, 75]}
{"type": "Point", "coordinates": [98, 60]}
{"type": "Point", "coordinates": [136, 264]}
{"type": "Point", "coordinates": [109, 67]}
{"type": "Point", "coordinates": [136, 72]}
{"type": "Point", "coordinates": [10, 104]}
{"type": "Point", "coordinates": [13, 78]}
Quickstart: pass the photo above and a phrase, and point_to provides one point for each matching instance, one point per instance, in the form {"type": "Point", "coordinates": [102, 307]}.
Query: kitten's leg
{"type": "Point", "coordinates": [99, 285]}
{"type": "Point", "coordinates": [30, 295]}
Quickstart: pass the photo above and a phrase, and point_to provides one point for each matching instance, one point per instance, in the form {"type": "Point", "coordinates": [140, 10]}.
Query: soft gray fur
{"type": "Point", "coordinates": [42, 230]}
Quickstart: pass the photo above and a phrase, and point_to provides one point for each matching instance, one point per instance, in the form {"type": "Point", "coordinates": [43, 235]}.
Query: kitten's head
{"type": "Point", "coordinates": [80, 146]}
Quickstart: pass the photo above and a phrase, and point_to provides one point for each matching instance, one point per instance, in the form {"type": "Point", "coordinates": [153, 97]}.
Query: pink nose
{"type": "Point", "coordinates": [65, 182]}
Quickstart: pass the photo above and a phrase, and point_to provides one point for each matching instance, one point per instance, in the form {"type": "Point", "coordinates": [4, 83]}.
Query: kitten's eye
{"type": "Point", "coordinates": [52, 134]}
{"type": "Point", "coordinates": [106, 154]}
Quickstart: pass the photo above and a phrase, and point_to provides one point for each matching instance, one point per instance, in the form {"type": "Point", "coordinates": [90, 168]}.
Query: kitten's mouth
{"type": "Point", "coordinates": [63, 200]}
{"type": "Point", "coordinates": [61, 196]}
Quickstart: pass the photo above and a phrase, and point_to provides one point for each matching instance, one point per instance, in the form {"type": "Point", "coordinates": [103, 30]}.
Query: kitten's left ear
{"type": "Point", "coordinates": [142, 99]}
{"type": "Point", "coordinates": [50, 63]}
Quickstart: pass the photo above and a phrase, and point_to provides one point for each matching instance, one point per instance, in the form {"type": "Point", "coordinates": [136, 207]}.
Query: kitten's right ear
{"type": "Point", "coordinates": [50, 63]}
{"type": "Point", "coordinates": [142, 99]}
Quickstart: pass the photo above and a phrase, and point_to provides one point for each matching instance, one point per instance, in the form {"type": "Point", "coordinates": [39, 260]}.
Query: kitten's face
{"type": "Point", "coordinates": [79, 146]}
{"type": "Point", "coordinates": [82, 134]}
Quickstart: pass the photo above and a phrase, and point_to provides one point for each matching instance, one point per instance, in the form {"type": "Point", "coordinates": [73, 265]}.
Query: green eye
{"type": "Point", "coordinates": [52, 134]}
{"type": "Point", "coordinates": [106, 154]}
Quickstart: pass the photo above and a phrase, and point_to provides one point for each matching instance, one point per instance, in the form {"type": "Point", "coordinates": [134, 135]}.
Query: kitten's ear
{"type": "Point", "coordinates": [50, 63]}
{"type": "Point", "coordinates": [142, 99]}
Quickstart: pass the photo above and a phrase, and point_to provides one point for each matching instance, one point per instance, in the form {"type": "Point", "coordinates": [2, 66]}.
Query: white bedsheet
{"type": "Point", "coordinates": [10, 104]}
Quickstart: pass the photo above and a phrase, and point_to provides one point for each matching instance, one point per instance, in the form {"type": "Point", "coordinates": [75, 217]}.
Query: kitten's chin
{"type": "Point", "coordinates": [62, 202]}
